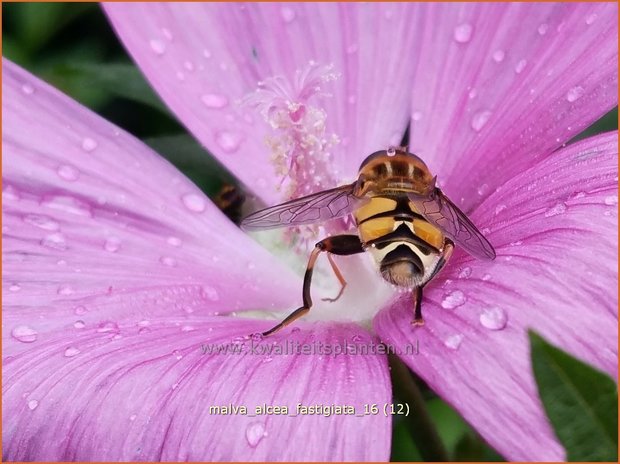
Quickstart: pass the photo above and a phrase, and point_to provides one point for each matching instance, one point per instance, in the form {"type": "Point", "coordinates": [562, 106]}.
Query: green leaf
{"type": "Point", "coordinates": [581, 402]}
{"type": "Point", "coordinates": [403, 447]}
{"type": "Point", "coordinates": [118, 79]}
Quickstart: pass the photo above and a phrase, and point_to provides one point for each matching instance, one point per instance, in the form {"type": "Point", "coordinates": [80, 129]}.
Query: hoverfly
{"type": "Point", "coordinates": [404, 221]}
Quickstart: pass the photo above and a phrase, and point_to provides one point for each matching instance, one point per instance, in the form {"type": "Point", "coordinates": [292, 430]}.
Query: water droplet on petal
{"type": "Point", "coordinates": [480, 119]}
{"type": "Point", "coordinates": [27, 89]}
{"type": "Point", "coordinates": [133, 417]}
{"type": "Point", "coordinates": [463, 32]}
{"type": "Point", "coordinates": [288, 14]}
{"type": "Point", "coordinates": [188, 328]}
{"type": "Point", "coordinates": [212, 100]}
{"type": "Point", "coordinates": [543, 28]}
{"type": "Point", "coordinates": [453, 300]}
{"type": "Point", "coordinates": [112, 244]}
{"type": "Point", "coordinates": [465, 273]}
{"type": "Point", "coordinates": [453, 341]}
{"type": "Point", "coordinates": [591, 18]}
{"type": "Point", "coordinates": [24, 334]}
{"type": "Point", "coordinates": [41, 221]}
{"type": "Point", "coordinates": [168, 261]}
{"type": "Point", "coordinates": [157, 46]}
{"type": "Point", "coordinates": [391, 151]}
{"type": "Point", "coordinates": [54, 241]}
{"type": "Point", "coordinates": [15, 288]}
{"type": "Point", "coordinates": [174, 241]}
{"type": "Point", "coordinates": [211, 293]}
{"type": "Point", "coordinates": [71, 352]}
{"type": "Point", "coordinates": [79, 324]}
{"type": "Point", "coordinates": [575, 94]}
{"type": "Point", "coordinates": [558, 208]}
{"type": "Point", "coordinates": [520, 66]}
{"type": "Point", "coordinates": [228, 141]}
{"type": "Point", "coordinates": [194, 202]}
{"type": "Point", "coordinates": [206, 53]}
{"type": "Point", "coordinates": [416, 116]}
{"type": "Point", "coordinates": [79, 310]}
{"type": "Point", "coordinates": [68, 173]}
{"type": "Point", "coordinates": [494, 318]}
{"type": "Point", "coordinates": [177, 354]}
{"type": "Point", "coordinates": [88, 144]}
{"type": "Point", "coordinates": [65, 289]}
{"type": "Point", "coordinates": [611, 200]}
{"type": "Point", "coordinates": [254, 433]}
{"type": "Point", "coordinates": [500, 208]}
{"type": "Point", "coordinates": [486, 277]}
{"type": "Point", "coordinates": [499, 55]}
{"type": "Point", "coordinates": [108, 327]}
{"type": "Point", "coordinates": [33, 404]}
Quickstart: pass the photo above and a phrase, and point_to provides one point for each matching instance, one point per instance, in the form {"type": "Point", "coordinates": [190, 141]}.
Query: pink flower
{"type": "Point", "coordinates": [119, 274]}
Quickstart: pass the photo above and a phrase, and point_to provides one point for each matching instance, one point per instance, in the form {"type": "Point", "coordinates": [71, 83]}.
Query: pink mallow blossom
{"type": "Point", "coordinates": [118, 272]}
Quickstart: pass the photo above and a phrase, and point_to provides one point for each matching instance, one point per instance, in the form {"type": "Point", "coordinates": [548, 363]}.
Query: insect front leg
{"type": "Point", "coordinates": [337, 245]}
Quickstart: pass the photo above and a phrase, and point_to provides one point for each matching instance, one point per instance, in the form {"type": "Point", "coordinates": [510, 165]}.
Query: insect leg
{"type": "Point", "coordinates": [447, 252]}
{"type": "Point", "coordinates": [418, 320]}
{"type": "Point", "coordinates": [343, 282]}
{"type": "Point", "coordinates": [338, 245]}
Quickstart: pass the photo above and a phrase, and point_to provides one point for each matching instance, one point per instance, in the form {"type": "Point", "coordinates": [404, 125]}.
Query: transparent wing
{"type": "Point", "coordinates": [318, 207]}
{"type": "Point", "coordinates": [440, 211]}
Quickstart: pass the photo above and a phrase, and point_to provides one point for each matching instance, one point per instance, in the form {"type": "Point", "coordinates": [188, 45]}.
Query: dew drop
{"type": "Point", "coordinates": [79, 310]}
{"type": "Point", "coordinates": [133, 417]}
{"type": "Point", "coordinates": [453, 300]}
{"type": "Point", "coordinates": [500, 208]}
{"type": "Point", "coordinates": [211, 293]}
{"type": "Point", "coordinates": [89, 144]}
{"type": "Point", "coordinates": [177, 354]}
{"type": "Point", "coordinates": [575, 94]}
{"type": "Point", "coordinates": [391, 151]}
{"type": "Point", "coordinates": [483, 189]}
{"type": "Point", "coordinates": [463, 32]}
{"type": "Point", "coordinates": [558, 208]}
{"type": "Point", "coordinates": [611, 200]}
{"type": "Point", "coordinates": [480, 119]}
{"type": "Point", "coordinates": [228, 141]}
{"type": "Point", "coordinates": [108, 327]}
{"type": "Point", "coordinates": [543, 28]}
{"type": "Point", "coordinates": [288, 14]}
{"type": "Point", "coordinates": [416, 116]}
{"type": "Point", "coordinates": [65, 289]}
{"type": "Point", "coordinates": [27, 89]}
{"type": "Point", "coordinates": [112, 244]}
{"type": "Point", "coordinates": [33, 404]}
{"type": "Point", "coordinates": [68, 173]}
{"type": "Point", "coordinates": [54, 241]}
{"type": "Point", "coordinates": [42, 222]}
{"type": "Point", "coordinates": [206, 53]}
{"type": "Point", "coordinates": [168, 261]}
{"type": "Point", "coordinates": [174, 241]}
{"type": "Point", "coordinates": [486, 277]}
{"type": "Point", "coordinates": [188, 65]}
{"type": "Point", "coordinates": [212, 100]}
{"type": "Point", "coordinates": [157, 46]}
{"type": "Point", "coordinates": [465, 273]}
{"type": "Point", "coordinates": [472, 93]}
{"type": "Point", "coordinates": [493, 318]}
{"type": "Point", "coordinates": [591, 18]}
{"type": "Point", "coordinates": [71, 352]}
{"type": "Point", "coordinates": [499, 55]}
{"type": "Point", "coordinates": [188, 328]}
{"type": "Point", "coordinates": [24, 334]}
{"type": "Point", "coordinates": [453, 341]}
{"type": "Point", "coordinates": [79, 324]}
{"type": "Point", "coordinates": [194, 202]}
{"type": "Point", "coordinates": [254, 433]}
{"type": "Point", "coordinates": [15, 288]}
{"type": "Point", "coordinates": [167, 33]}
{"type": "Point", "coordinates": [520, 66]}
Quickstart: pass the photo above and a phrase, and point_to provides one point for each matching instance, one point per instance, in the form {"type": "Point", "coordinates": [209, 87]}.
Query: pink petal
{"type": "Point", "coordinates": [222, 51]}
{"type": "Point", "coordinates": [500, 85]}
{"type": "Point", "coordinates": [90, 213]}
{"type": "Point", "coordinates": [554, 227]}
{"type": "Point", "coordinates": [145, 396]}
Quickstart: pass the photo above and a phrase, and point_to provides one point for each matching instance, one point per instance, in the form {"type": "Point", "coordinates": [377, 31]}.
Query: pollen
{"type": "Point", "coordinates": [299, 141]}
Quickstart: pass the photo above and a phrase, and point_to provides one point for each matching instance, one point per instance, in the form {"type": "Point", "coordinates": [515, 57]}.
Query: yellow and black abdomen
{"type": "Point", "coordinates": [403, 244]}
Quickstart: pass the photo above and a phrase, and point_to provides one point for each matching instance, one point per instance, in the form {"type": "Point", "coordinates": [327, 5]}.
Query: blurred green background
{"type": "Point", "coordinates": [73, 47]}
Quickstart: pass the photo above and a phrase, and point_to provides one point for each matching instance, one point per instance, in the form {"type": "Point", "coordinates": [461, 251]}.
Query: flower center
{"type": "Point", "coordinates": [301, 148]}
